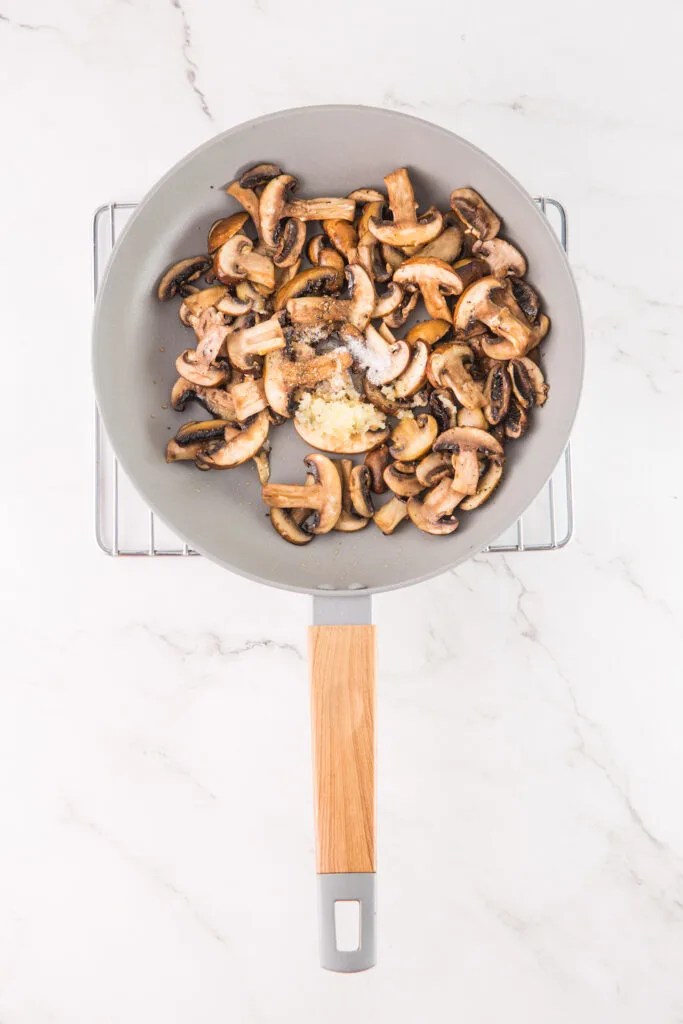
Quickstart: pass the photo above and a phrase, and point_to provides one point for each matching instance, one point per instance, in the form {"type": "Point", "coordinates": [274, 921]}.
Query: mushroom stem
{"type": "Point", "coordinates": [292, 495]}
{"type": "Point", "coordinates": [258, 340]}
{"type": "Point", "coordinates": [465, 472]}
{"type": "Point", "coordinates": [325, 208]}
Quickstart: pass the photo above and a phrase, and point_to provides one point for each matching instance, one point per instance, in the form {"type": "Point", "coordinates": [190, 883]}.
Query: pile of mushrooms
{"type": "Point", "coordinates": [431, 411]}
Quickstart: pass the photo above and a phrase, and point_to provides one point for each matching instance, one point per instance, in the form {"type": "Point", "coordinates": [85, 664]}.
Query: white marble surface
{"type": "Point", "coordinates": [156, 858]}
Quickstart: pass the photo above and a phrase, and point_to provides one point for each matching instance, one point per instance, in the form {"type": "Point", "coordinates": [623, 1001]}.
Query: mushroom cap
{"type": "Point", "coordinates": [497, 394]}
{"type": "Point", "coordinates": [215, 399]}
{"type": "Point", "coordinates": [447, 369]}
{"type": "Point", "coordinates": [367, 195]}
{"type": "Point", "coordinates": [282, 520]}
{"type": "Point", "coordinates": [443, 408]}
{"type": "Point", "coordinates": [434, 468]}
{"type": "Point", "coordinates": [417, 232]}
{"type": "Point", "coordinates": [362, 293]}
{"type": "Point", "coordinates": [470, 439]}
{"type": "Point", "coordinates": [465, 316]}
{"type": "Point", "coordinates": [415, 374]}
{"type": "Point", "coordinates": [259, 175]}
{"type": "Point", "coordinates": [429, 331]}
{"type": "Point", "coordinates": [343, 236]}
{"type": "Point", "coordinates": [401, 479]}
{"type": "Point", "coordinates": [198, 371]}
{"type": "Point", "coordinates": [376, 462]}
{"type": "Point", "coordinates": [360, 486]}
{"type": "Point", "coordinates": [387, 303]}
{"type": "Point", "coordinates": [272, 204]}
{"type": "Point", "coordinates": [487, 485]}
{"type": "Point", "coordinates": [516, 421]}
{"type": "Point", "coordinates": [420, 269]}
{"type": "Point", "coordinates": [312, 281]}
{"type": "Point", "coordinates": [403, 311]}
{"type": "Point", "coordinates": [413, 437]}
{"type": "Point", "coordinates": [240, 447]}
{"type": "Point", "coordinates": [290, 243]}
{"type": "Point", "coordinates": [221, 231]}
{"type": "Point", "coordinates": [433, 511]}
{"type": "Point", "coordinates": [475, 213]}
{"type": "Point", "coordinates": [328, 479]}
{"type": "Point", "coordinates": [501, 256]}
{"type": "Point", "coordinates": [446, 246]}
{"type": "Point", "coordinates": [181, 273]}
{"type": "Point", "coordinates": [382, 360]}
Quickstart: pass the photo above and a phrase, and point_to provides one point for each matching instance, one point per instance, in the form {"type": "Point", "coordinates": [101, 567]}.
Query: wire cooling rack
{"type": "Point", "coordinates": [125, 526]}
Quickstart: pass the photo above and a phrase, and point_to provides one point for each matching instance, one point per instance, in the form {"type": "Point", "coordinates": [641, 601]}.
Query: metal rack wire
{"type": "Point", "coordinates": [124, 526]}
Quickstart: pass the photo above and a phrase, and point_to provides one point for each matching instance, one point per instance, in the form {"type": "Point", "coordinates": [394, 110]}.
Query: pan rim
{"type": "Point", "coordinates": [138, 480]}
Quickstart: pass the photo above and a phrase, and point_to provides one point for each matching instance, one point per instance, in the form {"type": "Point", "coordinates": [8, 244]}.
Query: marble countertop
{"type": "Point", "coordinates": [156, 843]}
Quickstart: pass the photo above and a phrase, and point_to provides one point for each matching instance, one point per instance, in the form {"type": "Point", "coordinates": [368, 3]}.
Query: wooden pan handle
{"type": "Point", "coordinates": [342, 670]}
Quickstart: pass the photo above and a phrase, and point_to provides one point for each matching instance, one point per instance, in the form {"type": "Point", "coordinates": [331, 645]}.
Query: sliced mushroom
{"type": "Point", "coordinates": [214, 399]}
{"type": "Point", "coordinates": [401, 479]}
{"type": "Point", "coordinates": [433, 512]}
{"type": "Point", "coordinates": [221, 231]}
{"type": "Point", "coordinates": [237, 260]}
{"type": "Point", "coordinates": [470, 270]}
{"type": "Point", "coordinates": [322, 254]}
{"type": "Point", "coordinates": [202, 430]}
{"type": "Point", "coordinates": [386, 304]}
{"type": "Point", "coordinates": [262, 463]}
{"type": "Point", "coordinates": [383, 398]}
{"type": "Point", "coordinates": [472, 418]}
{"type": "Point", "coordinates": [429, 331]}
{"type": "Point", "coordinates": [349, 520]}
{"type": "Point", "coordinates": [528, 383]}
{"type": "Point", "coordinates": [413, 437]}
{"type": "Point", "coordinates": [383, 361]}
{"type": "Point", "coordinates": [248, 199]}
{"type": "Point", "coordinates": [476, 215]}
{"type": "Point", "coordinates": [501, 256]}
{"type": "Point", "coordinates": [388, 517]}
{"type": "Point", "coordinates": [343, 237]}
{"type": "Point", "coordinates": [325, 208]}
{"type": "Point", "coordinates": [184, 452]}
{"type": "Point", "coordinates": [486, 486]}
{"type": "Point", "coordinates": [286, 525]}
{"type": "Point", "coordinates": [313, 281]}
{"type": "Point", "coordinates": [405, 228]}
{"type": "Point", "coordinates": [415, 374]}
{"type": "Point", "coordinates": [359, 491]}
{"type": "Point", "coordinates": [194, 304]}
{"type": "Point", "coordinates": [282, 377]}
{"type": "Point", "coordinates": [290, 243]}
{"type": "Point", "coordinates": [272, 205]}
{"type": "Point", "coordinates": [491, 302]}
{"type": "Point", "coordinates": [237, 448]}
{"type": "Point", "coordinates": [516, 421]}
{"type": "Point", "coordinates": [443, 408]}
{"type": "Point", "coordinates": [434, 278]}
{"type": "Point", "coordinates": [260, 175]}
{"type": "Point", "coordinates": [181, 273]}
{"type": "Point", "coordinates": [403, 311]}
{"type": "Point", "coordinates": [199, 365]}
{"type": "Point", "coordinates": [527, 299]}
{"type": "Point", "coordinates": [376, 462]}
{"type": "Point", "coordinates": [367, 195]}
{"type": "Point", "coordinates": [246, 293]}
{"type": "Point", "coordinates": [466, 444]}
{"type": "Point", "coordinates": [259, 340]}
{"type": "Point", "coordinates": [497, 393]}
{"type": "Point", "coordinates": [392, 257]}
{"type": "Point", "coordinates": [434, 468]}
{"type": "Point", "coordinates": [249, 397]}
{"type": "Point", "coordinates": [446, 246]}
{"type": "Point", "coordinates": [447, 369]}
{"type": "Point", "coordinates": [356, 310]}
{"type": "Point", "coordinates": [324, 496]}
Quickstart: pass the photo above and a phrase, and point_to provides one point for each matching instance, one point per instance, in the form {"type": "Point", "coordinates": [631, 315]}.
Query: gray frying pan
{"type": "Point", "coordinates": [331, 150]}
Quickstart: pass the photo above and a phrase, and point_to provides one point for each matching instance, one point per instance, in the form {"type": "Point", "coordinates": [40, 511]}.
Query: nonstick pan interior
{"type": "Point", "coordinates": [331, 150]}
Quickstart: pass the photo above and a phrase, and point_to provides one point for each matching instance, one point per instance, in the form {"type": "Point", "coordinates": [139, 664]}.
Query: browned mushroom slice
{"type": "Point", "coordinates": [282, 377]}
{"type": "Point", "coordinates": [433, 468]}
{"type": "Point", "coordinates": [260, 175]}
{"type": "Point", "coordinates": [446, 246]}
{"type": "Point", "coordinates": [522, 385]}
{"type": "Point", "coordinates": [249, 397]}
{"type": "Point", "coordinates": [290, 243]}
{"type": "Point", "coordinates": [527, 299]}
{"type": "Point", "coordinates": [470, 270]}
{"type": "Point", "coordinates": [237, 448]}
{"type": "Point", "coordinates": [516, 421]}
{"type": "Point", "coordinates": [383, 398]}
{"type": "Point", "coordinates": [221, 231]}
{"type": "Point", "coordinates": [405, 228]}
{"type": "Point", "coordinates": [433, 512]}
{"type": "Point", "coordinates": [501, 256]}
{"type": "Point", "coordinates": [247, 294]}
{"type": "Point", "coordinates": [196, 302]}
{"type": "Point", "coordinates": [313, 281]}
{"type": "Point", "coordinates": [248, 199]}
{"type": "Point", "coordinates": [371, 209]}
{"type": "Point", "coordinates": [376, 462]}
{"type": "Point", "coordinates": [534, 374]}
{"type": "Point", "coordinates": [402, 312]}
{"type": "Point", "coordinates": [183, 452]}
{"type": "Point", "coordinates": [324, 496]}
{"type": "Point", "coordinates": [343, 237]}
{"type": "Point", "coordinates": [349, 520]}
{"type": "Point", "coordinates": [180, 274]}
{"type": "Point", "coordinates": [200, 371]}
{"type": "Point", "coordinates": [413, 437]}
{"type": "Point", "coordinates": [466, 444]}
{"type": "Point", "coordinates": [443, 408]}
{"type": "Point", "coordinates": [447, 369]}
{"type": "Point", "coordinates": [214, 399]}
{"type": "Point", "coordinates": [202, 430]}
{"type": "Point", "coordinates": [497, 394]}
{"type": "Point", "coordinates": [401, 479]}
{"type": "Point", "coordinates": [392, 257]}
{"type": "Point", "coordinates": [415, 374]}
{"type": "Point", "coordinates": [359, 491]}
{"type": "Point", "coordinates": [236, 260]}
{"type": "Point", "coordinates": [386, 304]}
{"type": "Point", "coordinates": [429, 331]}
{"type": "Point", "coordinates": [388, 517]}
{"type": "Point", "coordinates": [259, 340]}
{"type": "Point", "coordinates": [491, 302]}
{"type": "Point", "coordinates": [367, 195]}
{"type": "Point", "coordinates": [476, 215]}
{"type": "Point", "coordinates": [286, 525]}
{"type": "Point", "coordinates": [472, 418]}
{"type": "Point", "coordinates": [262, 462]}
{"type": "Point", "coordinates": [434, 278]}
{"type": "Point", "coordinates": [381, 360]}
{"type": "Point", "coordinates": [486, 486]}
{"type": "Point", "coordinates": [356, 310]}
{"type": "Point", "coordinates": [370, 258]}
{"type": "Point", "coordinates": [322, 253]}
{"type": "Point", "coordinates": [272, 203]}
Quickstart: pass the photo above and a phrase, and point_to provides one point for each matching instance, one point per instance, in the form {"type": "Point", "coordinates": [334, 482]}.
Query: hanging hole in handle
{"type": "Point", "coordinates": [347, 925]}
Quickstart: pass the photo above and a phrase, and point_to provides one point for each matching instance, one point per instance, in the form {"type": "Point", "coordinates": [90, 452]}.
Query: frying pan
{"type": "Point", "coordinates": [332, 150]}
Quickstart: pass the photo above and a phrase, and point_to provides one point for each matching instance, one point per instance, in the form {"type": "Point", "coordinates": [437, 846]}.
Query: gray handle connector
{"type": "Point", "coordinates": [356, 887]}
